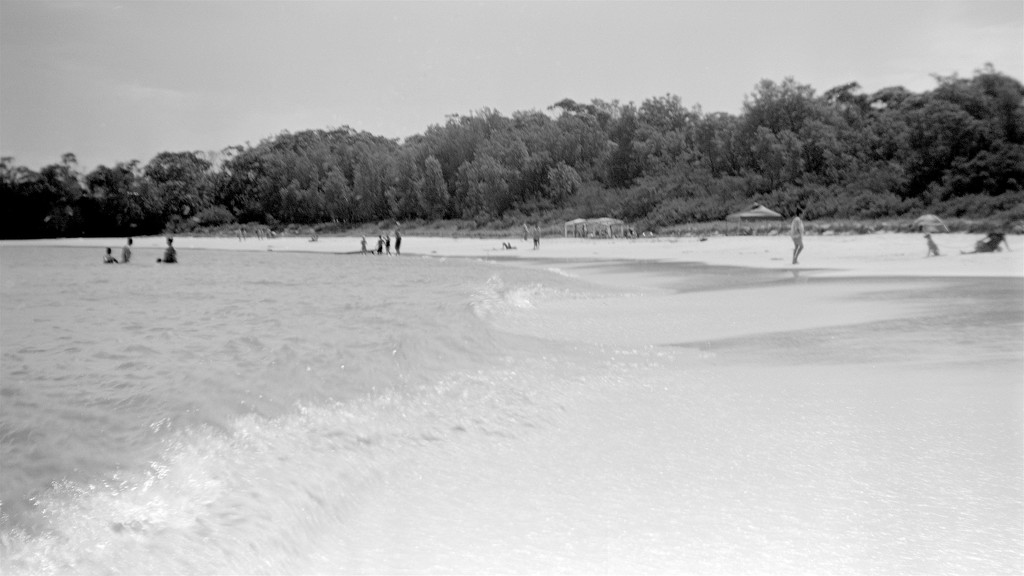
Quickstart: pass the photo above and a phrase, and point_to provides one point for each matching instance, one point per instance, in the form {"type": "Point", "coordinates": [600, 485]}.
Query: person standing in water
{"type": "Point", "coordinates": [170, 254]}
{"type": "Point", "coordinates": [126, 252]}
{"type": "Point", "coordinates": [796, 231]}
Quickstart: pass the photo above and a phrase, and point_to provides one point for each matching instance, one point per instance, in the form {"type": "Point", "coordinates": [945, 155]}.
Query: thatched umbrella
{"type": "Point", "coordinates": [755, 213]}
{"type": "Point", "coordinates": [930, 223]}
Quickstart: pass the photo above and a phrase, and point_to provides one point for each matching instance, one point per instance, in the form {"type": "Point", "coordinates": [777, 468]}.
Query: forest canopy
{"type": "Point", "coordinates": [956, 150]}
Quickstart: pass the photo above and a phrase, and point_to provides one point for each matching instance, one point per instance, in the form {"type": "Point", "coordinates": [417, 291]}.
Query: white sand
{"type": "Point", "coordinates": [882, 254]}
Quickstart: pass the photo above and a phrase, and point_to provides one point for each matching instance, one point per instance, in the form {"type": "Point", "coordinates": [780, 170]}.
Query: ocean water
{"type": "Point", "coordinates": [289, 413]}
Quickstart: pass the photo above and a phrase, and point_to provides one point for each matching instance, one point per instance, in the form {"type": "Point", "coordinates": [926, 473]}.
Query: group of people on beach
{"type": "Point", "coordinates": [260, 232]}
{"type": "Point", "coordinates": [384, 244]}
{"type": "Point", "coordinates": [170, 254]}
{"type": "Point", "coordinates": [536, 235]}
{"type": "Point", "coordinates": [992, 242]}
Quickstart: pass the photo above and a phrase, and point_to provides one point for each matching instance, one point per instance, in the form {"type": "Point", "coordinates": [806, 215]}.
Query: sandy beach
{"type": "Point", "coordinates": [872, 255]}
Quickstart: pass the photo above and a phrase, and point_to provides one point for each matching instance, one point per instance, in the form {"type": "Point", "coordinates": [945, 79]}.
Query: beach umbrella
{"type": "Point", "coordinates": [930, 223]}
{"type": "Point", "coordinates": [756, 212]}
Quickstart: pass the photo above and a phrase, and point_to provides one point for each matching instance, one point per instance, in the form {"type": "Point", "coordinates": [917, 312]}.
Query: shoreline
{"type": "Point", "coordinates": [875, 255]}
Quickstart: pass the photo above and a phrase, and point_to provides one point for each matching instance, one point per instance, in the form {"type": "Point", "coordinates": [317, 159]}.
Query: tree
{"type": "Point", "coordinates": [623, 165]}
{"type": "Point", "coordinates": [127, 201]}
{"type": "Point", "coordinates": [373, 186]}
{"type": "Point", "coordinates": [563, 182]}
{"type": "Point", "coordinates": [484, 189]}
{"type": "Point", "coordinates": [779, 107]}
{"type": "Point", "coordinates": [339, 200]}
{"type": "Point", "coordinates": [408, 180]}
{"type": "Point", "coordinates": [778, 158]}
{"type": "Point", "coordinates": [433, 195]}
{"type": "Point", "coordinates": [181, 178]}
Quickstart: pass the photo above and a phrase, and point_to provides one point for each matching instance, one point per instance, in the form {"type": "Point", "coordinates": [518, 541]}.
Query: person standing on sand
{"type": "Point", "coordinates": [126, 252]}
{"type": "Point", "coordinates": [380, 245]}
{"type": "Point", "coordinates": [387, 244]}
{"type": "Point", "coordinates": [363, 244]}
{"type": "Point", "coordinates": [526, 232]}
{"type": "Point", "coordinates": [398, 242]}
{"type": "Point", "coordinates": [536, 237]}
{"type": "Point", "coordinates": [796, 231]}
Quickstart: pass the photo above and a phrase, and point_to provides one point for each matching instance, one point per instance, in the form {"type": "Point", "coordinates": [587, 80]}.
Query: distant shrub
{"type": "Point", "coordinates": [215, 216]}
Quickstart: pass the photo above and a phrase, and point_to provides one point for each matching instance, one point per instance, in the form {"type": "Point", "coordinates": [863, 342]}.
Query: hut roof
{"type": "Point", "coordinates": [605, 221]}
{"type": "Point", "coordinates": [755, 212]}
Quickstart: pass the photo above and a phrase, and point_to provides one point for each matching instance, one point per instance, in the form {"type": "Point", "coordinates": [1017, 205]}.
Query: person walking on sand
{"type": "Point", "coordinates": [536, 237]}
{"type": "Point", "coordinates": [108, 258]}
{"type": "Point", "coordinates": [380, 245]}
{"type": "Point", "coordinates": [796, 231]}
{"type": "Point", "coordinates": [363, 244]}
{"type": "Point", "coordinates": [933, 249]}
{"type": "Point", "coordinates": [126, 252]}
{"type": "Point", "coordinates": [387, 244]}
{"type": "Point", "coordinates": [398, 242]}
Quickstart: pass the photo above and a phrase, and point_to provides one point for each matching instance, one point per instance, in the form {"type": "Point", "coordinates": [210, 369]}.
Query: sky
{"type": "Point", "coordinates": [119, 81]}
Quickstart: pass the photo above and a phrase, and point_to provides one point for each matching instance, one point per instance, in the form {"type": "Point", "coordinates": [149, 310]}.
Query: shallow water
{"type": "Point", "coordinates": [310, 413]}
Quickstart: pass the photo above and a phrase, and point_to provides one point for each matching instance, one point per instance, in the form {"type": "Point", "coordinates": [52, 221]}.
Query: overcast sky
{"type": "Point", "coordinates": [117, 81]}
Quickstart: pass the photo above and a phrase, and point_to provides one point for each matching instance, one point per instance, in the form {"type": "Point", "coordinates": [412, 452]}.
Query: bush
{"type": "Point", "coordinates": [215, 216]}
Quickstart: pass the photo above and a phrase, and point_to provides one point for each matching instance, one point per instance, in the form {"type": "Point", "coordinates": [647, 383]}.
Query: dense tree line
{"type": "Point", "coordinates": [957, 150]}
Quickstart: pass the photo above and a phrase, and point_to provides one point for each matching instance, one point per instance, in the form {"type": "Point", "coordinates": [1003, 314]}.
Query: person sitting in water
{"type": "Point", "coordinates": [933, 248]}
{"type": "Point", "coordinates": [108, 258]}
{"type": "Point", "coordinates": [170, 254]}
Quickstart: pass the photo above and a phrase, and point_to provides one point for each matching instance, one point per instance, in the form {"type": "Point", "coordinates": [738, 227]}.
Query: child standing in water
{"type": "Point", "coordinates": [126, 252]}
